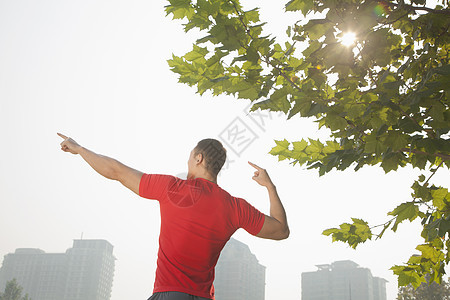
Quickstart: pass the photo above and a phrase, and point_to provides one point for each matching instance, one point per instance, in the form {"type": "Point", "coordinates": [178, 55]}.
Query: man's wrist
{"type": "Point", "coordinates": [271, 186]}
{"type": "Point", "coordinates": [80, 149]}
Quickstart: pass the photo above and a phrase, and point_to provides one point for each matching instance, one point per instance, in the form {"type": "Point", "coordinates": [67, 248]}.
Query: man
{"type": "Point", "coordinates": [197, 216]}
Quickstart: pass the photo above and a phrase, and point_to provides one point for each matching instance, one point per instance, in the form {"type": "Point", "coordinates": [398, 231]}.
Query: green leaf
{"type": "Point", "coordinates": [303, 5]}
{"type": "Point", "coordinates": [331, 147]}
{"type": "Point", "coordinates": [302, 105]}
{"type": "Point", "coordinates": [230, 33]}
{"type": "Point", "coordinates": [335, 121]}
{"type": "Point", "coordinates": [443, 70]}
{"type": "Point", "coordinates": [421, 191]}
{"type": "Point", "coordinates": [281, 149]}
{"type": "Point", "coordinates": [180, 9]}
{"type": "Point", "coordinates": [196, 53]}
{"type": "Point", "coordinates": [317, 28]}
{"type": "Point", "coordinates": [443, 228]}
{"type": "Point", "coordinates": [352, 234]}
{"type": "Point", "coordinates": [396, 140]}
{"type": "Point", "coordinates": [300, 146]}
{"type": "Point", "coordinates": [438, 197]}
{"type": "Point", "coordinates": [251, 16]}
{"type": "Point", "coordinates": [315, 147]}
{"type": "Point", "coordinates": [277, 102]}
{"type": "Point", "coordinates": [250, 93]}
{"type": "Point", "coordinates": [430, 252]}
{"type": "Point", "coordinates": [405, 211]}
{"type": "Point", "coordinates": [419, 161]}
{"type": "Point", "coordinates": [407, 275]}
{"type": "Point", "coordinates": [245, 90]}
{"type": "Point", "coordinates": [313, 46]}
{"type": "Point", "coordinates": [437, 111]}
{"type": "Point", "coordinates": [374, 144]}
{"type": "Point", "coordinates": [391, 161]}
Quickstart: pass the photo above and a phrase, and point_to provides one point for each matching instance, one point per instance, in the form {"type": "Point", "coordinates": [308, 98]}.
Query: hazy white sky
{"type": "Point", "coordinates": [97, 71]}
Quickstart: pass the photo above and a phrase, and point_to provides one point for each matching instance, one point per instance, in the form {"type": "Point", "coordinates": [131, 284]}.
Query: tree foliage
{"type": "Point", "coordinates": [426, 291]}
{"type": "Point", "coordinates": [13, 291]}
{"type": "Point", "coordinates": [384, 99]}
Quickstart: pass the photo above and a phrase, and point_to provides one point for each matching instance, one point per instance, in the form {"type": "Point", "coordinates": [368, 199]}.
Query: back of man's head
{"type": "Point", "coordinates": [213, 153]}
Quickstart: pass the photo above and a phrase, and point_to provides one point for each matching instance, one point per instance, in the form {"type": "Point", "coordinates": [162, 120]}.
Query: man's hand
{"type": "Point", "coordinates": [69, 145]}
{"type": "Point", "coordinates": [104, 165]}
{"type": "Point", "coordinates": [261, 176]}
{"type": "Point", "coordinates": [275, 226]}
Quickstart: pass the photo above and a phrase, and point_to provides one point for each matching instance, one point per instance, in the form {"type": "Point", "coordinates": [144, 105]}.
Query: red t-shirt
{"type": "Point", "coordinates": [197, 219]}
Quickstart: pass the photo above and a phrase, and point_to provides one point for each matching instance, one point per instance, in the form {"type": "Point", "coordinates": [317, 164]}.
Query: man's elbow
{"type": "Point", "coordinates": [115, 172]}
{"type": "Point", "coordinates": [283, 234]}
{"type": "Point", "coordinates": [286, 233]}
{"type": "Point", "coordinates": [112, 174]}
{"type": "Point", "coordinates": [274, 230]}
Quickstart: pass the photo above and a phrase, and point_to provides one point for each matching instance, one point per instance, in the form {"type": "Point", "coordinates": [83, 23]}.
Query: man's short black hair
{"type": "Point", "coordinates": [213, 153]}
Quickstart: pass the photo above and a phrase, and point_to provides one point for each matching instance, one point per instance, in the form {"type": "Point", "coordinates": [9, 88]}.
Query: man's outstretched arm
{"type": "Point", "coordinates": [104, 165]}
{"type": "Point", "coordinates": [275, 226]}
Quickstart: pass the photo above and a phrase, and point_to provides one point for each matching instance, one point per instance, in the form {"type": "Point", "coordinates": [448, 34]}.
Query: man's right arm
{"type": "Point", "coordinates": [104, 165]}
{"type": "Point", "coordinates": [275, 226]}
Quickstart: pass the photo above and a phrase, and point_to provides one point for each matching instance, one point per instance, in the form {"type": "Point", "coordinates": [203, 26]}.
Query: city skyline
{"type": "Point", "coordinates": [239, 275]}
{"type": "Point", "coordinates": [342, 280]}
{"type": "Point", "coordinates": [83, 272]}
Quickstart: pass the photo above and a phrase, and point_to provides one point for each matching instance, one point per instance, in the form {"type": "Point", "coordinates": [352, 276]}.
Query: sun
{"type": "Point", "coordinates": [348, 39]}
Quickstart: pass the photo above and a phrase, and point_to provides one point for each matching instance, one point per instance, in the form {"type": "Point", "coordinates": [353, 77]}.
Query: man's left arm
{"type": "Point", "coordinates": [104, 165]}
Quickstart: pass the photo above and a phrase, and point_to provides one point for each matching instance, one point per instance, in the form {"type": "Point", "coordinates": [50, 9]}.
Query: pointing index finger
{"type": "Point", "coordinates": [62, 135]}
{"type": "Point", "coordinates": [255, 166]}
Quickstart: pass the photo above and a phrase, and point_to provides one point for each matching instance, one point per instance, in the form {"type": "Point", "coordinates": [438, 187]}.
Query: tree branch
{"type": "Point", "coordinates": [430, 10]}
{"type": "Point", "coordinates": [427, 9]}
{"type": "Point", "coordinates": [444, 157]}
{"type": "Point", "coordinates": [434, 172]}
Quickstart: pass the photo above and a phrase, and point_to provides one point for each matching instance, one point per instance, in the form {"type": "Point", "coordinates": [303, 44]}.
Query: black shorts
{"type": "Point", "coordinates": [175, 296]}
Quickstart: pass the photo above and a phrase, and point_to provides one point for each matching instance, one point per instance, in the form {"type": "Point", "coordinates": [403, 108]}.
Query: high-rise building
{"type": "Point", "coordinates": [84, 272]}
{"type": "Point", "coordinates": [239, 276]}
{"type": "Point", "coordinates": [379, 288]}
{"type": "Point", "coordinates": [342, 280]}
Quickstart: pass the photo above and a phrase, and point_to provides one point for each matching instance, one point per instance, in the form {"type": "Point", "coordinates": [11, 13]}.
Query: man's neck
{"type": "Point", "coordinates": [207, 177]}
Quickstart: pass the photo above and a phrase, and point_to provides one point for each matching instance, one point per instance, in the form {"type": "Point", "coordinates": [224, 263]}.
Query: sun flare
{"type": "Point", "coordinates": [348, 39]}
